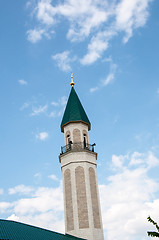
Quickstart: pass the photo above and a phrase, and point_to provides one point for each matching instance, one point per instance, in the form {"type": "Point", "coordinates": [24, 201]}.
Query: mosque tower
{"type": "Point", "coordinates": [78, 164]}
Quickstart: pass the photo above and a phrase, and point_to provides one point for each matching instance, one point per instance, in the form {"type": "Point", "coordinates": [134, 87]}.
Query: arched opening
{"type": "Point", "coordinates": [84, 140]}
{"type": "Point", "coordinates": [85, 137]}
{"type": "Point", "coordinates": [68, 139]}
{"type": "Point", "coordinates": [69, 142]}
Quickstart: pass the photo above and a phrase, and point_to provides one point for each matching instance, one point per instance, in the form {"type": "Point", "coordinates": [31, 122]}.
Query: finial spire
{"type": "Point", "coordinates": [72, 82]}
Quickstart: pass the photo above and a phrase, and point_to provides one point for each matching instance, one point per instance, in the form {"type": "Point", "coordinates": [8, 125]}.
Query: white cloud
{"type": "Point", "coordinates": [45, 12]}
{"type": "Point", "coordinates": [113, 17]}
{"type": "Point", "coordinates": [136, 159]}
{"type": "Point", "coordinates": [41, 202]}
{"type": "Point", "coordinates": [39, 110]}
{"type": "Point", "coordinates": [13, 217]}
{"type": "Point", "coordinates": [118, 161]}
{"type": "Point", "coordinates": [63, 60]}
{"type": "Point", "coordinates": [20, 189]}
{"type": "Point", "coordinates": [60, 105]}
{"type": "Point", "coordinates": [87, 18]}
{"type": "Point", "coordinates": [22, 82]}
{"type": "Point", "coordinates": [82, 20]}
{"type": "Point", "coordinates": [52, 220]}
{"type": "Point", "coordinates": [93, 89]}
{"type": "Point", "coordinates": [158, 91]}
{"type": "Point", "coordinates": [35, 35]}
{"type": "Point", "coordinates": [129, 197]}
{"type": "Point", "coordinates": [42, 136]}
{"type": "Point", "coordinates": [45, 109]}
{"type": "Point", "coordinates": [151, 160]}
{"type": "Point", "coordinates": [5, 206]}
{"type": "Point", "coordinates": [37, 175]}
{"type": "Point", "coordinates": [1, 191]}
{"type": "Point", "coordinates": [44, 209]}
{"type": "Point", "coordinates": [24, 106]}
{"type": "Point", "coordinates": [147, 160]}
{"type": "Point", "coordinates": [97, 46]}
{"type": "Point", "coordinates": [111, 74]}
{"type": "Point", "coordinates": [53, 114]}
{"type": "Point", "coordinates": [56, 113]}
{"type": "Point", "coordinates": [61, 102]}
{"type": "Point", "coordinates": [53, 177]}
{"type": "Point", "coordinates": [130, 15]}
{"type": "Point", "coordinates": [60, 112]}
{"type": "Point", "coordinates": [55, 104]}
{"type": "Point", "coordinates": [109, 78]}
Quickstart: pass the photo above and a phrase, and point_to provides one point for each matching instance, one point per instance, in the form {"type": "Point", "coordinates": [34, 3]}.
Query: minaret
{"type": "Point", "coordinates": [78, 164]}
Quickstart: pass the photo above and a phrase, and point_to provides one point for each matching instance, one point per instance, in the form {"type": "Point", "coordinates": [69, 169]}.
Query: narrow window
{"type": "Point", "coordinates": [68, 139]}
{"type": "Point", "coordinates": [84, 140]}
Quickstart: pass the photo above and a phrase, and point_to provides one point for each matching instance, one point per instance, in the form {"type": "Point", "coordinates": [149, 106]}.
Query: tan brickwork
{"type": "Point", "coordinates": [68, 199]}
{"type": "Point", "coordinates": [81, 198]}
{"type": "Point", "coordinates": [76, 136]}
{"type": "Point", "coordinates": [82, 214]}
{"type": "Point", "coordinates": [77, 139]}
{"type": "Point", "coordinates": [94, 197]}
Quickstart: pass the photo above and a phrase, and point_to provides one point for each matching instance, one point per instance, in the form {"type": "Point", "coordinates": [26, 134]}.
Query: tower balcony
{"type": "Point", "coordinates": [77, 147]}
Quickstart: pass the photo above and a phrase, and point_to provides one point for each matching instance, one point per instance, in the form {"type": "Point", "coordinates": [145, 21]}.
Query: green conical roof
{"type": "Point", "coordinates": [74, 111]}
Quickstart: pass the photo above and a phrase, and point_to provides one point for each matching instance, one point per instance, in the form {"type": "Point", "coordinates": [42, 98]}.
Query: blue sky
{"type": "Point", "coordinates": [112, 49]}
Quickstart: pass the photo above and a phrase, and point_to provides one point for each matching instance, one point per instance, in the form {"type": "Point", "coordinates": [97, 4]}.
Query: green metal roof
{"type": "Point", "coordinates": [74, 111]}
{"type": "Point", "coordinates": [10, 230]}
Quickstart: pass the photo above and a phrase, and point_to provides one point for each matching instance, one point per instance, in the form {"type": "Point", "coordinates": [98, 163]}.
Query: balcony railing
{"type": "Point", "coordinates": [77, 146]}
